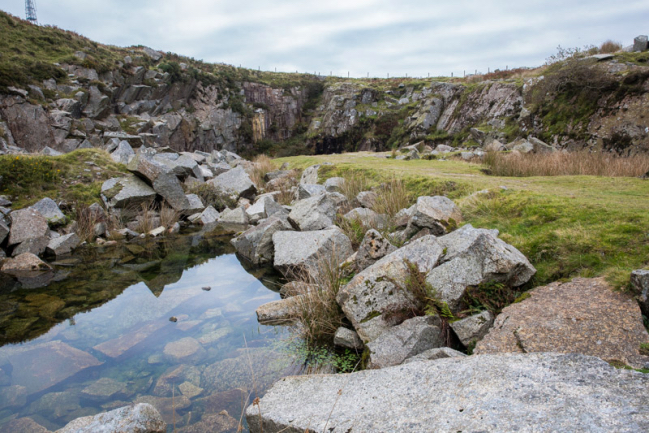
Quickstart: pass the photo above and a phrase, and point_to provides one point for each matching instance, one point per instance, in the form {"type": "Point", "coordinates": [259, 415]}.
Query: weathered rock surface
{"type": "Point", "coordinates": [367, 198]}
{"type": "Point", "coordinates": [25, 262]}
{"type": "Point", "coordinates": [512, 392]}
{"type": "Point", "coordinates": [408, 339]}
{"type": "Point", "coordinates": [379, 288]}
{"type": "Point", "coordinates": [63, 244]}
{"type": "Point", "coordinates": [438, 213]}
{"type": "Point", "coordinates": [308, 190]}
{"type": "Point", "coordinates": [582, 316]}
{"type": "Point", "coordinates": [334, 184]}
{"type": "Point", "coordinates": [138, 418]}
{"type": "Point", "coordinates": [123, 153]}
{"type": "Point", "coordinates": [373, 248]}
{"type": "Point", "coordinates": [475, 256]}
{"type": "Point", "coordinates": [256, 243]}
{"type": "Point", "coordinates": [35, 246]}
{"type": "Point", "coordinates": [433, 354]}
{"type": "Point", "coordinates": [347, 338]}
{"type": "Point", "coordinates": [126, 192]}
{"type": "Point", "coordinates": [313, 213]}
{"type": "Point", "coordinates": [367, 217]}
{"type": "Point", "coordinates": [23, 425]}
{"type": "Point", "coordinates": [235, 182]}
{"type": "Point", "coordinates": [280, 311]}
{"type": "Point", "coordinates": [27, 224]}
{"type": "Point", "coordinates": [183, 350]}
{"type": "Point", "coordinates": [221, 422]}
{"type": "Point", "coordinates": [310, 174]}
{"type": "Point", "coordinates": [297, 252]}
{"type": "Point", "coordinates": [640, 285]}
{"type": "Point", "coordinates": [471, 329]}
{"type": "Point", "coordinates": [264, 207]}
{"type": "Point", "coordinates": [50, 210]}
{"type": "Point", "coordinates": [236, 216]}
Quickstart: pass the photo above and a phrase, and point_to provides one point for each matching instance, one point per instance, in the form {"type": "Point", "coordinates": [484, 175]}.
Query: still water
{"type": "Point", "coordinates": [98, 335]}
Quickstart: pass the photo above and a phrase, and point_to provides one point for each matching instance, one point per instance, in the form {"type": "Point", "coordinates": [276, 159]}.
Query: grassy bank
{"type": "Point", "coordinates": [567, 226]}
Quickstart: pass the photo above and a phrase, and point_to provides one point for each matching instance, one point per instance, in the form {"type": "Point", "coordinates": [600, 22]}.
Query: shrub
{"type": "Point", "coordinates": [610, 46]}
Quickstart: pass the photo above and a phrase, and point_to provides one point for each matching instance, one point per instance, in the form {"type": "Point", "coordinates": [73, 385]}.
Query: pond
{"type": "Point", "coordinates": [169, 322]}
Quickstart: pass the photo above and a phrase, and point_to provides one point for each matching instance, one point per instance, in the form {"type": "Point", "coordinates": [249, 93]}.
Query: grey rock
{"type": "Point", "coordinates": [264, 207]}
{"type": "Point", "coordinates": [310, 174]}
{"type": "Point", "coordinates": [403, 217]}
{"type": "Point", "coordinates": [540, 146]}
{"type": "Point", "coordinates": [169, 187]}
{"type": "Point", "coordinates": [219, 168]}
{"type": "Point", "coordinates": [471, 329]}
{"type": "Point", "coordinates": [403, 341]}
{"type": "Point", "coordinates": [138, 418]}
{"type": "Point", "coordinates": [4, 231]}
{"type": "Point", "coordinates": [63, 245]}
{"type": "Point", "coordinates": [334, 184]}
{"type": "Point", "coordinates": [640, 43]}
{"type": "Point", "coordinates": [126, 192]}
{"type": "Point", "coordinates": [379, 288]}
{"type": "Point", "coordinates": [523, 147]}
{"type": "Point", "coordinates": [347, 338]}
{"type": "Point", "coordinates": [123, 153]}
{"type": "Point", "coordinates": [50, 210]}
{"type": "Point", "coordinates": [209, 216]}
{"type": "Point", "coordinates": [155, 55]}
{"type": "Point", "coordinates": [48, 151]}
{"type": "Point", "coordinates": [256, 243]}
{"type": "Point", "coordinates": [639, 284]}
{"type": "Point", "coordinates": [433, 354]}
{"type": "Point", "coordinates": [366, 199]}
{"type": "Point", "coordinates": [237, 216]}
{"type": "Point", "coordinates": [299, 252]}
{"type": "Point", "coordinates": [373, 248]}
{"type": "Point", "coordinates": [313, 213]}
{"type": "Point", "coordinates": [279, 312]}
{"type": "Point", "coordinates": [277, 174]}
{"type": "Point", "coordinates": [367, 217]}
{"type": "Point", "coordinates": [476, 256]}
{"type": "Point", "coordinates": [438, 213]}
{"type": "Point", "coordinates": [467, 156]}
{"type": "Point", "coordinates": [308, 190]}
{"type": "Point", "coordinates": [183, 166]}
{"type": "Point", "coordinates": [158, 231]}
{"type": "Point", "coordinates": [27, 224]}
{"type": "Point", "coordinates": [513, 392]}
{"type": "Point", "coordinates": [25, 262]}
{"type": "Point", "coordinates": [146, 167]}
{"type": "Point", "coordinates": [443, 148]}
{"type": "Point", "coordinates": [195, 204]}
{"type": "Point", "coordinates": [235, 182]}
{"type": "Point", "coordinates": [35, 246]}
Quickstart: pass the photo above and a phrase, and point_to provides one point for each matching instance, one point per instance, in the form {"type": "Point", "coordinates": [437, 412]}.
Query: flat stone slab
{"type": "Point", "coordinates": [582, 316]}
{"type": "Point", "coordinates": [119, 345]}
{"type": "Point", "coordinates": [543, 392]}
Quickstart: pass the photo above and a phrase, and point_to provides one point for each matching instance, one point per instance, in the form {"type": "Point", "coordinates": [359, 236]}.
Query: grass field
{"type": "Point", "coordinates": [567, 226]}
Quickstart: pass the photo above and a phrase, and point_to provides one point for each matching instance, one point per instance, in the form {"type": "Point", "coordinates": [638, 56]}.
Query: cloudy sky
{"type": "Point", "coordinates": [413, 37]}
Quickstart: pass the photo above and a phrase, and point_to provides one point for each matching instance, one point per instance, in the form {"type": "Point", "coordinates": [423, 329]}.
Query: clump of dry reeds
{"type": "Point", "coordinates": [610, 46]}
{"type": "Point", "coordinates": [566, 164]}
{"type": "Point", "coordinates": [86, 219]}
{"type": "Point", "coordinates": [168, 216]}
{"type": "Point", "coordinates": [284, 185]}
{"type": "Point", "coordinates": [392, 196]}
{"type": "Point", "coordinates": [354, 183]}
{"type": "Point", "coordinates": [262, 164]}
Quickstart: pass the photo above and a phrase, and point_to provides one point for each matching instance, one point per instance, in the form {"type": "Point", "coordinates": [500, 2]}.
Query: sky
{"type": "Point", "coordinates": [355, 37]}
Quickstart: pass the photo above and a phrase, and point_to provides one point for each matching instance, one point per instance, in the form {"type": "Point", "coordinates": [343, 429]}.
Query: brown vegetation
{"type": "Point", "coordinates": [262, 165]}
{"type": "Point", "coordinates": [610, 46]}
{"type": "Point", "coordinates": [566, 164]}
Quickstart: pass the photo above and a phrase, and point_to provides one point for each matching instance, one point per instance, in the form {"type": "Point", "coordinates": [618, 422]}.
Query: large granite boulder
{"type": "Point", "coordinates": [639, 284]}
{"type": "Point", "coordinates": [310, 174]}
{"type": "Point", "coordinates": [376, 293]}
{"type": "Point", "coordinates": [299, 252]}
{"type": "Point", "coordinates": [123, 153]}
{"type": "Point", "coordinates": [307, 190]}
{"type": "Point", "coordinates": [181, 166]}
{"type": "Point", "coordinates": [169, 187]}
{"type": "Point", "coordinates": [581, 316]}
{"type": "Point", "coordinates": [513, 392]}
{"type": "Point", "coordinates": [27, 224]}
{"type": "Point", "coordinates": [256, 243]}
{"type": "Point", "coordinates": [281, 311]}
{"type": "Point", "coordinates": [237, 216]}
{"type": "Point", "coordinates": [126, 192]}
{"type": "Point", "coordinates": [63, 244]}
{"type": "Point", "coordinates": [476, 256]}
{"type": "Point", "coordinates": [25, 262]}
{"type": "Point", "coordinates": [4, 231]}
{"type": "Point", "coordinates": [366, 217]}
{"type": "Point", "coordinates": [235, 182]}
{"type": "Point", "coordinates": [264, 207]}
{"type": "Point", "coordinates": [313, 213]}
{"type": "Point", "coordinates": [373, 248]}
{"type": "Point", "coordinates": [347, 338]}
{"type": "Point", "coordinates": [439, 214]}
{"type": "Point", "coordinates": [50, 210]}
{"type": "Point", "coordinates": [403, 341]}
{"type": "Point", "coordinates": [138, 418]}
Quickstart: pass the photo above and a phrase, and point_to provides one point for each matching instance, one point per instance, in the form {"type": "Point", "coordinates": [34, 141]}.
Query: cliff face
{"type": "Point", "coordinates": [98, 94]}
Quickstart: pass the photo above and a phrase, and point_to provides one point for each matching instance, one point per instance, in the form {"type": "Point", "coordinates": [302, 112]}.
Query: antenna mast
{"type": "Point", "coordinates": [30, 11]}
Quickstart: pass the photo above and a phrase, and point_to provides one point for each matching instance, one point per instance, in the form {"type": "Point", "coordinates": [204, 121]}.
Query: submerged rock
{"type": "Point", "coordinates": [512, 392]}
{"type": "Point", "coordinates": [138, 418]}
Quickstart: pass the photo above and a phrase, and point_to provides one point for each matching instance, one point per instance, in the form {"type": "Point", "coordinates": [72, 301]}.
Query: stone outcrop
{"type": "Point", "coordinates": [313, 213]}
{"type": "Point", "coordinates": [373, 248]}
{"type": "Point", "coordinates": [50, 210]}
{"type": "Point", "coordinates": [281, 311]}
{"type": "Point", "coordinates": [581, 316]}
{"type": "Point", "coordinates": [510, 392]}
{"type": "Point", "coordinates": [640, 285]}
{"type": "Point", "coordinates": [256, 243]}
{"type": "Point", "coordinates": [126, 192]}
{"type": "Point", "coordinates": [439, 214]}
{"type": "Point", "coordinates": [25, 262]}
{"type": "Point", "coordinates": [27, 224]}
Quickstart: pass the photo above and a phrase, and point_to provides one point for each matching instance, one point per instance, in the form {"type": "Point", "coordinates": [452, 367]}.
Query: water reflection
{"type": "Point", "coordinates": [103, 337]}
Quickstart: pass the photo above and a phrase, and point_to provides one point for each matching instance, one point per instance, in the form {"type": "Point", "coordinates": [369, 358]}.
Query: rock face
{"type": "Point", "coordinates": [437, 353]}
{"type": "Point", "coordinates": [476, 256]}
{"type": "Point", "coordinates": [513, 392]}
{"type": "Point", "coordinates": [347, 338]}
{"type": "Point", "coordinates": [256, 243]}
{"type": "Point", "coordinates": [582, 316]}
{"type": "Point", "coordinates": [640, 284]}
{"type": "Point", "coordinates": [408, 339]}
{"type": "Point", "coordinates": [473, 328]}
{"type": "Point", "coordinates": [379, 289]}
{"type": "Point", "coordinates": [138, 418]}
{"type": "Point", "coordinates": [373, 248]}
{"type": "Point", "coordinates": [297, 252]}
{"type": "Point", "coordinates": [313, 213]}
{"type": "Point", "coordinates": [27, 224]}
{"type": "Point", "coordinates": [235, 182]}
{"type": "Point", "coordinates": [438, 213]}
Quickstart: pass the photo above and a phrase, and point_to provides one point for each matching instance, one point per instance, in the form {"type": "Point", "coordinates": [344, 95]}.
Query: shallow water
{"type": "Point", "coordinates": [102, 337]}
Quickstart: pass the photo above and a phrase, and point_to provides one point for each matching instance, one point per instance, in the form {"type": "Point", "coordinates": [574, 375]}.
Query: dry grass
{"type": "Point", "coordinates": [146, 217]}
{"type": "Point", "coordinates": [318, 312]}
{"type": "Point", "coordinates": [262, 165]}
{"type": "Point", "coordinates": [86, 220]}
{"type": "Point", "coordinates": [284, 185]}
{"type": "Point", "coordinates": [610, 46]}
{"type": "Point", "coordinates": [391, 198]}
{"type": "Point", "coordinates": [168, 216]}
{"type": "Point", "coordinates": [566, 164]}
{"type": "Point", "coordinates": [355, 183]}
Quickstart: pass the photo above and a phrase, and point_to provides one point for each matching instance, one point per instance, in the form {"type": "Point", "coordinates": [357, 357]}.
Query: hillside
{"type": "Point", "coordinates": [63, 91]}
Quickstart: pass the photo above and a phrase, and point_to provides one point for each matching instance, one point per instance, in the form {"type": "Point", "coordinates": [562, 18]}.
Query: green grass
{"type": "Point", "coordinates": [568, 226]}
{"type": "Point", "coordinates": [29, 178]}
